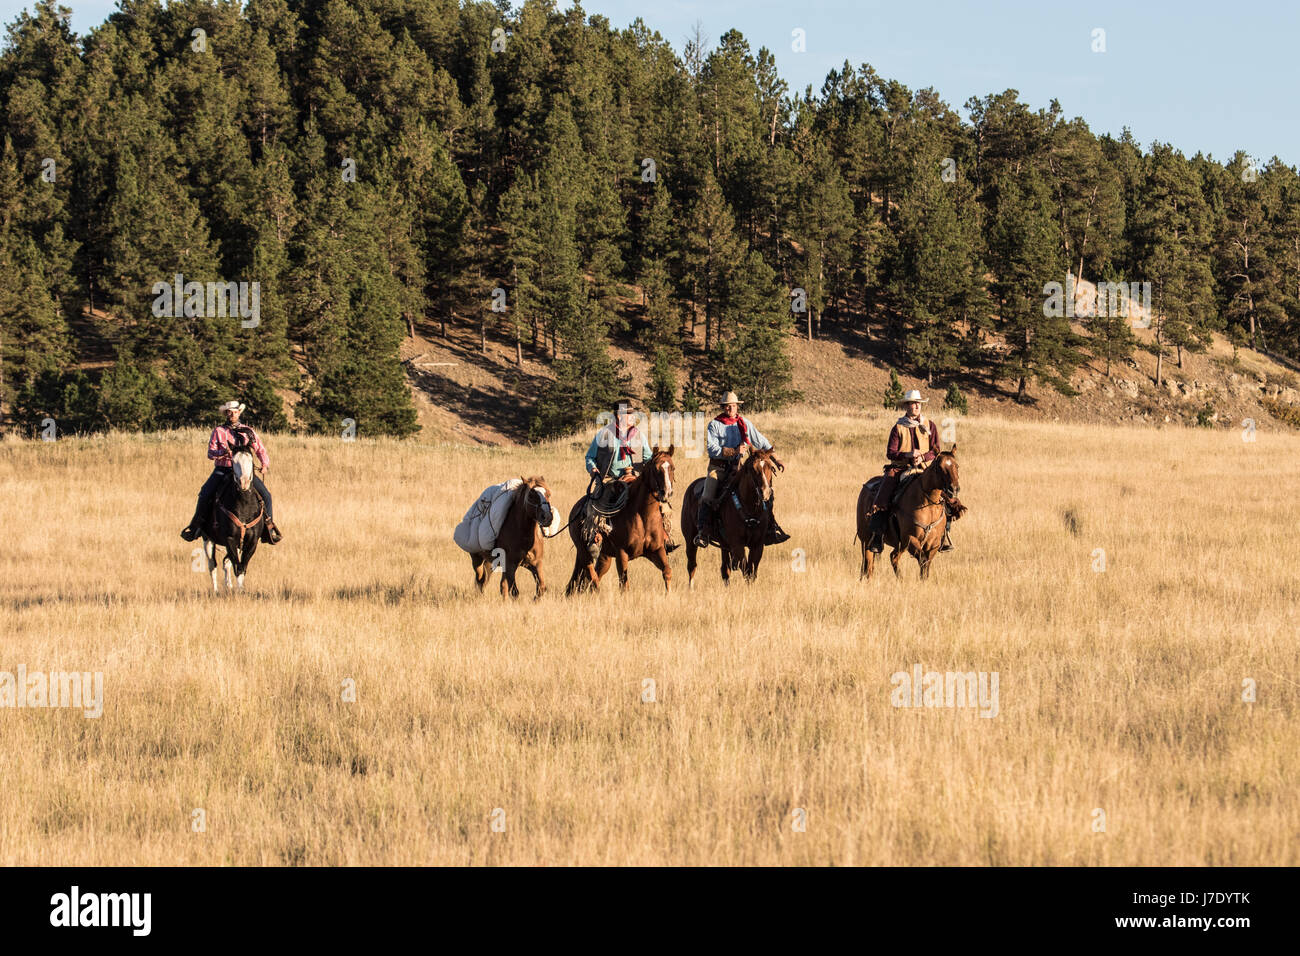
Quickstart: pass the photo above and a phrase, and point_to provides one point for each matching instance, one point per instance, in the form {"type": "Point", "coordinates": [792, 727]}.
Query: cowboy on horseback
{"type": "Point", "coordinates": [615, 453]}
{"type": "Point", "coordinates": [729, 436]}
{"type": "Point", "coordinates": [913, 444]}
{"type": "Point", "coordinates": [225, 438]}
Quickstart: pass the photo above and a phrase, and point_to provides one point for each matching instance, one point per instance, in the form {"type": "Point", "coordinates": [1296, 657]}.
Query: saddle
{"type": "Point", "coordinates": [903, 481]}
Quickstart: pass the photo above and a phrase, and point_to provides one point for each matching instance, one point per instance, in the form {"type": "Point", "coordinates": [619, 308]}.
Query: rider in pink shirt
{"type": "Point", "coordinates": [219, 446]}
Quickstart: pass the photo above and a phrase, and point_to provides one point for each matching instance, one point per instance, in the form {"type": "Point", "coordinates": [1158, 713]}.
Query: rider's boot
{"type": "Point", "coordinates": [876, 533]}
{"type": "Point", "coordinates": [775, 533]}
{"type": "Point", "coordinates": [270, 533]}
{"type": "Point", "coordinates": [195, 527]}
{"type": "Point", "coordinates": [947, 528]}
{"type": "Point", "coordinates": [669, 544]}
{"type": "Point", "coordinates": [702, 525]}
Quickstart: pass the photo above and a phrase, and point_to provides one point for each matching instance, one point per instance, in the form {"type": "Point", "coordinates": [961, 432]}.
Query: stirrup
{"type": "Point", "coordinates": [775, 535]}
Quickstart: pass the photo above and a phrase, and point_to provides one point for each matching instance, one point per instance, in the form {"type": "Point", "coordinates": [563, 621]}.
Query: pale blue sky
{"type": "Point", "coordinates": [1206, 76]}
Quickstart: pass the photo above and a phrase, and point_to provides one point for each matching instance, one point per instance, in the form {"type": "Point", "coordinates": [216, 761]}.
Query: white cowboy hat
{"type": "Point", "coordinates": [730, 399]}
{"type": "Point", "coordinates": [912, 395]}
{"type": "Point", "coordinates": [233, 406]}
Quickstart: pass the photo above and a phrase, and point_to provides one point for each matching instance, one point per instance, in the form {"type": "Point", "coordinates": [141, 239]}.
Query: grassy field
{"type": "Point", "coordinates": [489, 731]}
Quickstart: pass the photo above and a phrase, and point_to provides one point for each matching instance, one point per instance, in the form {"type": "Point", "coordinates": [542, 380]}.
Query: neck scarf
{"type": "Point", "coordinates": [738, 420]}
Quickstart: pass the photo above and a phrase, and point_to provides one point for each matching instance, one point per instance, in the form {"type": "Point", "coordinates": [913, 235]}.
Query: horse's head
{"type": "Point", "coordinates": [242, 459]}
{"type": "Point", "coordinates": [660, 469]}
{"type": "Point", "coordinates": [537, 501]}
{"type": "Point", "coordinates": [946, 476]}
{"type": "Point", "coordinates": [761, 469]}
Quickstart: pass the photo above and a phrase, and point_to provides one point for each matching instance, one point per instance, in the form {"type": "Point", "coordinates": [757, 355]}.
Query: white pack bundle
{"type": "Point", "coordinates": [477, 531]}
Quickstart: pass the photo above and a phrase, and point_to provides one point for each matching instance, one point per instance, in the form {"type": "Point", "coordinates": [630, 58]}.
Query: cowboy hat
{"type": "Point", "coordinates": [236, 406]}
{"type": "Point", "coordinates": [730, 399]}
{"type": "Point", "coordinates": [912, 395]}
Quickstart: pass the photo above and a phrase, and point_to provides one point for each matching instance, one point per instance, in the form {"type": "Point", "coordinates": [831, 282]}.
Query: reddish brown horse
{"type": "Point", "coordinates": [520, 540]}
{"type": "Point", "coordinates": [637, 530]}
{"type": "Point", "coordinates": [744, 516]}
{"type": "Point", "coordinates": [919, 519]}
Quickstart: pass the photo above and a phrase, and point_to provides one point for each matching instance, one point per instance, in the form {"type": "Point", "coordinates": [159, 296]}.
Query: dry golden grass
{"type": "Point", "coordinates": [1118, 690]}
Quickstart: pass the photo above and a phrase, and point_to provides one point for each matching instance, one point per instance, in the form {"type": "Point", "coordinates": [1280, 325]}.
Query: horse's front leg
{"type": "Point", "coordinates": [755, 556]}
{"type": "Point", "coordinates": [536, 572]}
{"type": "Point", "coordinates": [659, 559]}
{"type": "Point", "coordinates": [622, 561]}
{"type": "Point", "coordinates": [598, 570]}
{"type": "Point", "coordinates": [895, 555]}
{"type": "Point", "coordinates": [210, 552]}
{"type": "Point", "coordinates": [480, 569]}
{"type": "Point", "coordinates": [245, 556]}
{"type": "Point", "coordinates": [735, 558]}
{"type": "Point", "coordinates": [508, 577]}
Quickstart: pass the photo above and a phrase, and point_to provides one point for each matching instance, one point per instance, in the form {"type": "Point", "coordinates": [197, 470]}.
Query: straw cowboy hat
{"type": "Point", "coordinates": [730, 399]}
{"type": "Point", "coordinates": [233, 406]}
{"type": "Point", "coordinates": [912, 395]}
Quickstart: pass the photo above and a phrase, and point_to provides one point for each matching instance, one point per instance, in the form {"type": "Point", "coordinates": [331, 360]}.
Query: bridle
{"type": "Point", "coordinates": [764, 487]}
{"type": "Point", "coordinates": [535, 507]}
{"type": "Point", "coordinates": [657, 486]}
{"type": "Point", "coordinates": [946, 489]}
{"type": "Point", "coordinates": [946, 494]}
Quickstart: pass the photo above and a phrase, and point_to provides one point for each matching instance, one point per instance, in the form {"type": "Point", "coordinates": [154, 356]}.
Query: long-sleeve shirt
{"type": "Point", "coordinates": [223, 438]}
{"type": "Point", "coordinates": [721, 435]}
{"type": "Point", "coordinates": [894, 450]}
{"type": "Point", "coordinates": [621, 461]}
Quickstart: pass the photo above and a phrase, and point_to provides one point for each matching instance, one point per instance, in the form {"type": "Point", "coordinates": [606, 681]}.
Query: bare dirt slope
{"type": "Point", "coordinates": [465, 394]}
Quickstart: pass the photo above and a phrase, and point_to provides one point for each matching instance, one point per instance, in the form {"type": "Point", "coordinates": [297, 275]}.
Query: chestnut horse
{"type": "Point", "coordinates": [520, 540]}
{"type": "Point", "coordinates": [638, 529]}
{"type": "Point", "coordinates": [919, 519]}
{"type": "Point", "coordinates": [744, 516]}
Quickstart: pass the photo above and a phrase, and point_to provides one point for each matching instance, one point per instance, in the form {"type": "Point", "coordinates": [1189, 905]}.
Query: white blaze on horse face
{"type": "Point", "coordinates": [243, 463]}
{"type": "Point", "coordinates": [668, 482]}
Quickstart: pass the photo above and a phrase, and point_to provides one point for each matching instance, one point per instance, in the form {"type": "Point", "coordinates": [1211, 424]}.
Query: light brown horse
{"type": "Point", "coordinates": [520, 540]}
{"type": "Point", "coordinates": [637, 530]}
{"type": "Point", "coordinates": [743, 520]}
{"type": "Point", "coordinates": [919, 520]}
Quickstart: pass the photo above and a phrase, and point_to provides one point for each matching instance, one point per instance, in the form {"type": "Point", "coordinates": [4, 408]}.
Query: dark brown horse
{"type": "Point", "coordinates": [919, 519]}
{"type": "Point", "coordinates": [637, 530]}
{"type": "Point", "coordinates": [236, 522]}
{"type": "Point", "coordinates": [520, 540]}
{"type": "Point", "coordinates": [744, 516]}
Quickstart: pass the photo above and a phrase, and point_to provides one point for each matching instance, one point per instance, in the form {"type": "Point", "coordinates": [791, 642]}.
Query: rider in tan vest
{"type": "Point", "coordinates": [913, 444]}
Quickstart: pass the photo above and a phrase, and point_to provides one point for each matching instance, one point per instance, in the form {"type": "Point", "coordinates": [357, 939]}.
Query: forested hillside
{"type": "Point", "coordinates": [554, 183]}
